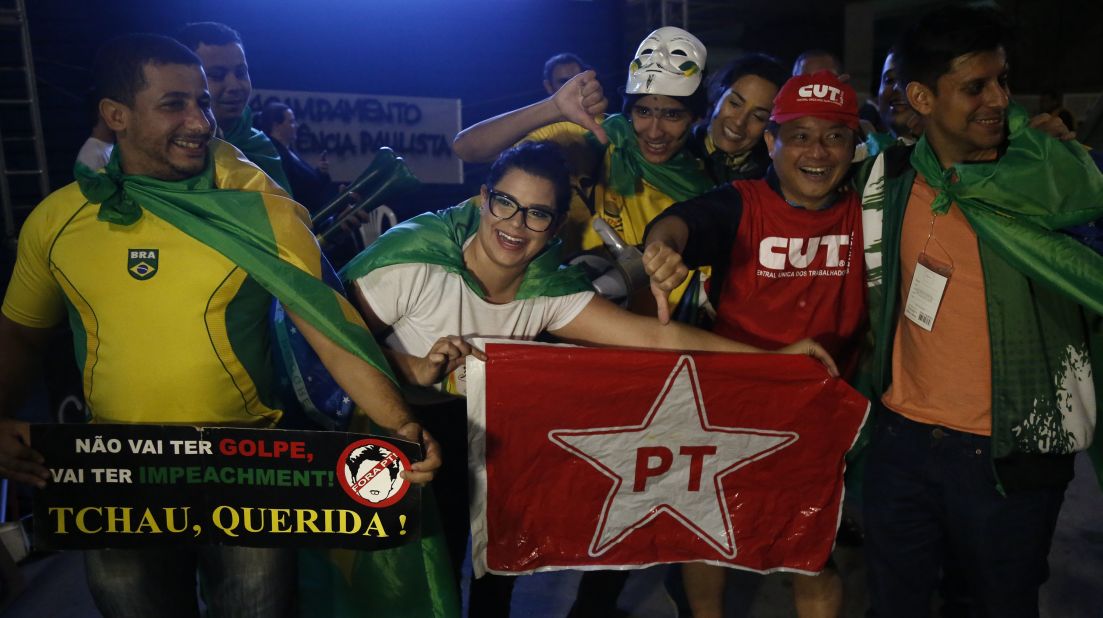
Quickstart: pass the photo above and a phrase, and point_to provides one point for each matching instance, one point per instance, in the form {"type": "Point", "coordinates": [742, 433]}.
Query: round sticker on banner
{"type": "Point", "coordinates": [369, 471]}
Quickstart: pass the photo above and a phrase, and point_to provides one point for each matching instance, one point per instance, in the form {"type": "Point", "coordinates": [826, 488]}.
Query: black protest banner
{"type": "Point", "coordinates": [144, 485]}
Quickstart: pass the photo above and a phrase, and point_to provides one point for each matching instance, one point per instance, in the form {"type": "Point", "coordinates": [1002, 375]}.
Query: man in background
{"type": "Point", "coordinates": [560, 68]}
{"type": "Point", "coordinates": [219, 48]}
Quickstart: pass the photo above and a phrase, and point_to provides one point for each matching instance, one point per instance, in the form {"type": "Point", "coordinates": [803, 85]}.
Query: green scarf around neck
{"type": "Point", "coordinates": [108, 188]}
{"type": "Point", "coordinates": [1018, 203]}
{"type": "Point", "coordinates": [681, 177]}
{"type": "Point", "coordinates": [438, 238]}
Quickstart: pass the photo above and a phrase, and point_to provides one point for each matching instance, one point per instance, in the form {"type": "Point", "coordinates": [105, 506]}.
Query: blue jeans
{"type": "Point", "coordinates": [237, 581]}
{"type": "Point", "coordinates": [931, 491]}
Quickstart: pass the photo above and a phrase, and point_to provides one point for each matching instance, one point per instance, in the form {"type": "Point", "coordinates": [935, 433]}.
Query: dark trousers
{"type": "Point", "coordinates": [490, 595]}
{"type": "Point", "coordinates": [598, 592]}
{"type": "Point", "coordinates": [931, 492]}
{"type": "Point", "coordinates": [238, 582]}
{"type": "Point", "coordinates": [447, 422]}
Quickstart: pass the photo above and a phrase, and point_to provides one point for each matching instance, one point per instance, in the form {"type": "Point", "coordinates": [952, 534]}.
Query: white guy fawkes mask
{"type": "Point", "coordinates": [668, 62]}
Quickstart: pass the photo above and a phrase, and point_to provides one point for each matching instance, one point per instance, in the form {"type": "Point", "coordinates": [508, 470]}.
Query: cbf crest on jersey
{"type": "Point", "coordinates": [142, 263]}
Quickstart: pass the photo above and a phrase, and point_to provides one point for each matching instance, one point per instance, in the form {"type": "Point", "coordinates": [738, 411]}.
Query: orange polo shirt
{"type": "Point", "coordinates": [943, 377]}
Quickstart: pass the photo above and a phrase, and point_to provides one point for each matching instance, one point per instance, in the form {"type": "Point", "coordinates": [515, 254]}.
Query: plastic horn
{"type": "Point", "coordinates": [381, 165]}
{"type": "Point", "coordinates": [386, 178]}
{"type": "Point", "coordinates": [629, 260]}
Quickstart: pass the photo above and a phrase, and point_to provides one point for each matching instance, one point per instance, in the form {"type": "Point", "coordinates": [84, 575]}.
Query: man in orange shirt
{"type": "Point", "coordinates": [981, 310]}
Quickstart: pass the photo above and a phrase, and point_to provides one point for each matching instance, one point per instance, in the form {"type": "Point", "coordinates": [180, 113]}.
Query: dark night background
{"type": "Point", "coordinates": [490, 53]}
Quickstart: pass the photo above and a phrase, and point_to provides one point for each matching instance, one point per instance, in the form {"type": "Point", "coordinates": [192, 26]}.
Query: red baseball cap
{"type": "Point", "coordinates": [820, 95]}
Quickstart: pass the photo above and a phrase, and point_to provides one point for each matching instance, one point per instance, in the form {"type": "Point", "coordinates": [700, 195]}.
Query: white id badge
{"type": "Point", "coordinates": [925, 294]}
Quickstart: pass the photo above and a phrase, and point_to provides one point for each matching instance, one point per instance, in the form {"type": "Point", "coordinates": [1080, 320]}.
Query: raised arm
{"type": "Point", "coordinates": [579, 101]}
{"type": "Point", "coordinates": [376, 395]}
{"type": "Point", "coordinates": [603, 323]}
{"type": "Point", "coordinates": [22, 348]}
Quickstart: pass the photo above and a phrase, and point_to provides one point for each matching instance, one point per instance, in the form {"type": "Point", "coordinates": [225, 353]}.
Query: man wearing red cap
{"type": "Point", "coordinates": [786, 254]}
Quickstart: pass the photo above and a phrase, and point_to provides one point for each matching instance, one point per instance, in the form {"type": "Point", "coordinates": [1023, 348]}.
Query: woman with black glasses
{"type": "Point", "coordinates": [490, 268]}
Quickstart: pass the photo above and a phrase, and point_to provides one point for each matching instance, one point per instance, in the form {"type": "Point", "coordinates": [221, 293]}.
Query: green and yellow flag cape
{"type": "Point", "coordinates": [236, 210]}
{"type": "Point", "coordinates": [257, 148]}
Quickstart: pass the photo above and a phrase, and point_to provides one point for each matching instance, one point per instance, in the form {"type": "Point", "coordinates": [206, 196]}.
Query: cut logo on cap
{"type": "Point", "coordinates": [822, 93]}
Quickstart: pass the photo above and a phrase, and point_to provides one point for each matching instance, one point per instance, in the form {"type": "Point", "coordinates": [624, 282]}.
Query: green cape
{"type": "Point", "coordinates": [251, 222]}
{"type": "Point", "coordinates": [438, 238]}
{"type": "Point", "coordinates": [257, 148]}
{"type": "Point", "coordinates": [1043, 288]}
{"type": "Point", "coordinates": [681, 177]}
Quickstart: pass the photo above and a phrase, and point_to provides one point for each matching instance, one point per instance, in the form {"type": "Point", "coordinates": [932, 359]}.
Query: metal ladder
{"type": "Point", "coordinates": [24, 179]}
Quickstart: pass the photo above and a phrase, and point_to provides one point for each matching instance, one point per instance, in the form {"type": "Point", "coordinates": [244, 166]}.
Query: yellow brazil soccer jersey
{"type": "Point", "coordinates": [166, 329]}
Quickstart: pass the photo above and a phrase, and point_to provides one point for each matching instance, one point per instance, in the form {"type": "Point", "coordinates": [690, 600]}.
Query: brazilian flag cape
{"type": "Point", "coordinates": [438, 238]}
{"type": "Point", "coordinates": [257, 148]}
{"type": "Point", "coordinates": [236, 210]}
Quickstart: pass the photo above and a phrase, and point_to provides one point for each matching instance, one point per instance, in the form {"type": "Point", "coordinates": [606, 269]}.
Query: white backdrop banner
{"type": "Point", "coordinates": [351, 127]}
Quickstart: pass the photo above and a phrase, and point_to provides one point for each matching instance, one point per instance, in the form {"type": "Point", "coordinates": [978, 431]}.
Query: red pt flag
{"type": "Point", "coordinates": [616, 458]}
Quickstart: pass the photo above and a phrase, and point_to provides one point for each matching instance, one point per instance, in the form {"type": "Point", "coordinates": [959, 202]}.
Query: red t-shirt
{"type": "Point", "coordinates": [795, 273]}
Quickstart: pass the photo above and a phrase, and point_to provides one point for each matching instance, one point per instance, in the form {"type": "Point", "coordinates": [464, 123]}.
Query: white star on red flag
{"type": "Point", "coordinates": [673, 462]}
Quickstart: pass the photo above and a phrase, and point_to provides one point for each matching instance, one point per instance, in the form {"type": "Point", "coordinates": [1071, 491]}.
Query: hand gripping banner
{"type": "Point", "coordinates": [618, 458]}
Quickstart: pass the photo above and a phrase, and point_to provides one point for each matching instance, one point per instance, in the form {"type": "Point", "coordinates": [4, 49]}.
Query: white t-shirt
{"type": "Point", "coordinates": [424, 302]}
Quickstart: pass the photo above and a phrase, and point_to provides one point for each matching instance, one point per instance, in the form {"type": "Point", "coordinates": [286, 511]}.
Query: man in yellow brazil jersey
{"type": "Point", "coordinates": [149, 265]}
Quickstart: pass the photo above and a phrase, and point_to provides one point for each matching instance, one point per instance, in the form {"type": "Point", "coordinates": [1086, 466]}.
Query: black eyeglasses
{"type": "Point", "coordinates": [503, 206]}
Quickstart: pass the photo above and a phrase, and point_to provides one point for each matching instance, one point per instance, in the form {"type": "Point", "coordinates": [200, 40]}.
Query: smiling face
{"type": "Point", "coordinates": [892, 103]}
{"type": "Point", "coordinates": [740, 116]}
{"type": "Point", "coordinates": [228, 77]}
{"type": "Point", "coordinates": [662, 126]}
{"type": "Point", "coordinates": [507, 246]}
{"type": "Point", "coordinates": [811, 157]}
{"type": "Point", "coordinates": [966, 117]}
{"type": "Point", "coordinates": [164, 134]}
